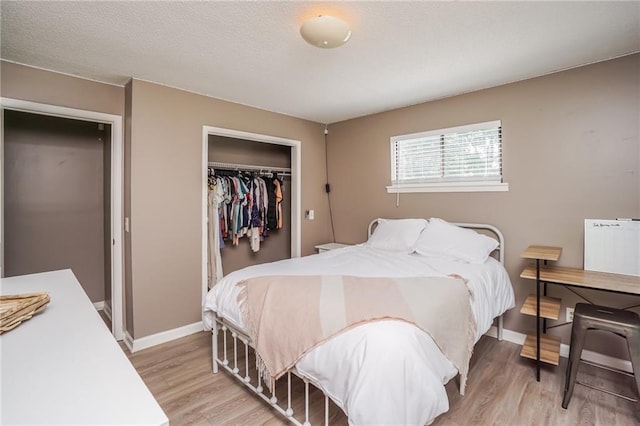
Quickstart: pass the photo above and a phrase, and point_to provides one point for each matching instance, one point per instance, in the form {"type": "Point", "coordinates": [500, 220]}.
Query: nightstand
{"type": "Point", "coordinates": [329, 246]}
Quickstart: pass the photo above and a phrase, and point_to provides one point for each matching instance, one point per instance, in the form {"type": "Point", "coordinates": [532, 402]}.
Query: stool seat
{"type": "Point", "coordinates": [604, 317]}
{"type": "Point", "coordinates": [593, 317]}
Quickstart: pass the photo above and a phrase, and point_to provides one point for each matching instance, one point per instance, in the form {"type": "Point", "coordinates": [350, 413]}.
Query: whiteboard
{"type": "Point", "coordinates": [612, 246]}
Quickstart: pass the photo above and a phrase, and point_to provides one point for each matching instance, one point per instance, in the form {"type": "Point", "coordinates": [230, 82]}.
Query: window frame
{"type": "Point", "coordinates": [473, 184]}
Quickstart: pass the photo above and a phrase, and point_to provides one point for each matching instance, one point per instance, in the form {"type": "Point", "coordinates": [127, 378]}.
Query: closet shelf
{"type": "Point", "coordinates": [249, 167]}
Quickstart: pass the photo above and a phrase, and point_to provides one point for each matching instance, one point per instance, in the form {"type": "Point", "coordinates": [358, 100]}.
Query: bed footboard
{"type": "Point", "coordinates": [233, 351]}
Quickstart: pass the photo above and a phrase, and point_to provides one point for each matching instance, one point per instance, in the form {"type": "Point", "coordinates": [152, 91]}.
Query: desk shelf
{"type": "Point", "coordinates": [542, 307]}
{"type": "Point", "coordinates": [549, 348]}
{"type": "Point", "coordinates": [549, 307]}
{"type": "Point", "coordinates": [542, 253]}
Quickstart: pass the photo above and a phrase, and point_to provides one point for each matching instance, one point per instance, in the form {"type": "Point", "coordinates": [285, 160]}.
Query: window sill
{"type": "Point", "coordinates": [449, 187]}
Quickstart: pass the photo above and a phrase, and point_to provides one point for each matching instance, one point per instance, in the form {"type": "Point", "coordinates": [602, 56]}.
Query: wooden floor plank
{"type": "Point", "coordinates": [502, 390]}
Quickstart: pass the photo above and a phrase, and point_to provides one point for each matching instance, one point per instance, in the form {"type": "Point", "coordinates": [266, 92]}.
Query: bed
{"type": "Point", "coordinates": [379, 372]}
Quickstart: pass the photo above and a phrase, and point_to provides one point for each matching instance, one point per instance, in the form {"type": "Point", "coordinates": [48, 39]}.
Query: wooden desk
{"type": "Point", "coordinates": [627, 284]}
{"type": "Point", "coordinates": [64, 367]}
{"type": "Point", "coordinates": [543, 347]}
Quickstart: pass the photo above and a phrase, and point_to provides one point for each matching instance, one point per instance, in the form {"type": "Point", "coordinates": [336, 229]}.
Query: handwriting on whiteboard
{"type": "Point", "coordinates": [612, 246]}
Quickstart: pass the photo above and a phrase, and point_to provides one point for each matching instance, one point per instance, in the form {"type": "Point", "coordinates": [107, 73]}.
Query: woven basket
{"type": "Point", "coordinates": [16, 308]}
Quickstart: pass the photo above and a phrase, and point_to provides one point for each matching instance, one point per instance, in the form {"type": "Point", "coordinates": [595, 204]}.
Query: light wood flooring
{"type": "Point", "coordinates": [501, 390]}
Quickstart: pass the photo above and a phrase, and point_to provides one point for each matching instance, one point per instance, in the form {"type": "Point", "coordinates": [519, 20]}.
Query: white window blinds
{"type": "Point", "coordinates": [470, 153]}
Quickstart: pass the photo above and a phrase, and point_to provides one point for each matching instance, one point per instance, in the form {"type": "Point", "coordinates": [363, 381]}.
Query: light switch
{"type": "Point", "coordinates": [310, 214]}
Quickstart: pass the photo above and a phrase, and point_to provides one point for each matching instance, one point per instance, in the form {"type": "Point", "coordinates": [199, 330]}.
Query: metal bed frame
{"type": "Point", "coordinates": [226, 328]}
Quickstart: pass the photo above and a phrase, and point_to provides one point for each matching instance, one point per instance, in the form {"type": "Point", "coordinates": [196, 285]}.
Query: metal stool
{"type": "Point", "coordinates": [593, 317]}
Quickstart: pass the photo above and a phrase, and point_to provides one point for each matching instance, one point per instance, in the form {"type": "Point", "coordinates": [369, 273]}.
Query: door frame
{"type": "Point", "coordinates": [296, 161]}
{"type": "Point", "coordinates": [117, 190]}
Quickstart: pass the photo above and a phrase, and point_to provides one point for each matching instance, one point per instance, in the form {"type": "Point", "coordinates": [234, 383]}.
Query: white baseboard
{"type": "Point", "coordinates": [595, 357]}
{"type": "Point", "coordinates": [135, 345]}
{"type": "Point", "coordinates": [128, 341]}
{"type": "Point", "coordinates": [107, 311]}
{"type": "Point", "coordinates": [104, 307]}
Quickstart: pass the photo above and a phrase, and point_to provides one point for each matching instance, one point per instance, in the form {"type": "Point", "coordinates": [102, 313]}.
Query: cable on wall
{"type": "Point", "coordinates": [327, 187]}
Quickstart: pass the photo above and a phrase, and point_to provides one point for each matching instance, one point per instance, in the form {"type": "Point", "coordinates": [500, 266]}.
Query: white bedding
{"type": "Point", "coordinates": [387, 372]}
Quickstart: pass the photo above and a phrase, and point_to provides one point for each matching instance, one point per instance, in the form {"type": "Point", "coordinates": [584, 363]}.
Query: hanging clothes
{"type": "Point", "coordinates": [241, 204]}
{"type": "Point", "coordinates": [215, 197]}
{"type": "Point", "coordinates": [279, 188]}
{"type": "Point", "coordinates": [264, 205]}
{"type": "Point", "coordinates": [240, 210]}
{"type": "Point", "coordinates": [272, 218]}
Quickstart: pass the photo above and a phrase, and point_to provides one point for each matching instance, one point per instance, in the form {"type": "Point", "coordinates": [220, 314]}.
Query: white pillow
{"type": "Point", "coordinates": [441, 238]}
{"type": "Point", "coordinates": [396, 234]}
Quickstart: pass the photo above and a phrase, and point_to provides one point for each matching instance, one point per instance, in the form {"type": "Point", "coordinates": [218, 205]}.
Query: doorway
{"type": "Point", "coordinates": [62, 198]}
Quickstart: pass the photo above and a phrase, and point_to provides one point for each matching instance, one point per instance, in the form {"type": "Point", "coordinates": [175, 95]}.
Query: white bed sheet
{"type": "Point", "coordinates": [386, 372]}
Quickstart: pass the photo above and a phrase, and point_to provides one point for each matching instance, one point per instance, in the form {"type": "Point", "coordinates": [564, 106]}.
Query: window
{"type": "Point", "coordinates": [465, 158]}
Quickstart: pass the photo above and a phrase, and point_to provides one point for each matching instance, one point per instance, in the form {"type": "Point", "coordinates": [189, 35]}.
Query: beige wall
{"type": "Point", "coordinates": [570, 148]}
{"type": "Point", "coordinates": [36, 85]}
{"type": "Point", "coordinates": [163, 150]}
{"type": "Point", "coordinates": [571, 152]}
{"type": "Point", "coordinates": [240, 151]}
{"type": "Point", "coordinates": [166, 222]}
{"type": "Point", "coordinates": [54, 198]}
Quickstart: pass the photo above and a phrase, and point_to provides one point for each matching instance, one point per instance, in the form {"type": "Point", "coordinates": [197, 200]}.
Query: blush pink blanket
{"type": "Point", "coordinates": [287, 316]}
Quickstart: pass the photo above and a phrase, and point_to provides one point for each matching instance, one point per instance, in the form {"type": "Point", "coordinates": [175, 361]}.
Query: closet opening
{"type": "Point", "coordinates": [60, 194]}
{"type": "Point", "coordinates": [234, 159]}
{"type": "Point", "coordinates": [57, 200]}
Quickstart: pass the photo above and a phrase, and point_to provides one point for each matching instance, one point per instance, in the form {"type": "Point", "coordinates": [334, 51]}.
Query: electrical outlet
{"type": "Point", "coordinates": [569, 317]}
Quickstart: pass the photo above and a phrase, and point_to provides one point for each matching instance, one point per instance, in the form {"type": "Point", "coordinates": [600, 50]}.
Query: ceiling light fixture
{"type": "Point", "coordinates": [325, 31]}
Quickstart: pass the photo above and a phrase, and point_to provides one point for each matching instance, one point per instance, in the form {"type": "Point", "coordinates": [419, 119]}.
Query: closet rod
{"type": "Point", "coordinates": [248, 167]}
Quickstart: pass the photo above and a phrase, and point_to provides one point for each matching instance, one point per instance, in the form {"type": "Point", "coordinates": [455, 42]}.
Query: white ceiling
{"type": "Point", "coordinates": [400, 53]}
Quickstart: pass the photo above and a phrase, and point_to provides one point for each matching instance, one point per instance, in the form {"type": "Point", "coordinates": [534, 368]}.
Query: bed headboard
{"type": "Point", "coordinates": [482, 226]}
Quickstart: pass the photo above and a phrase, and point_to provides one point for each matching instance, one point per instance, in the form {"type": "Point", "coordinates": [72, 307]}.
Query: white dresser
{"type": "Point", "coordinates": [63, 366]}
